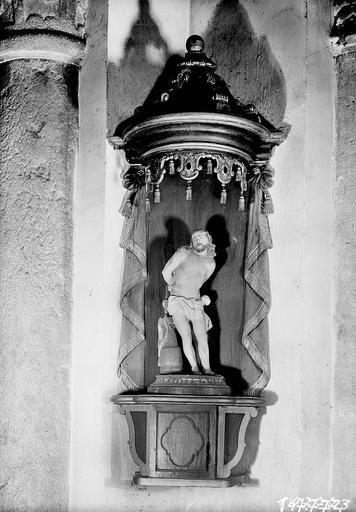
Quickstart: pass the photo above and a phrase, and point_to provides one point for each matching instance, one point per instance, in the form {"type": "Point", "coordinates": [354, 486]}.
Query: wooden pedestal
{"type": "Point", "coordinates": [180, 440]}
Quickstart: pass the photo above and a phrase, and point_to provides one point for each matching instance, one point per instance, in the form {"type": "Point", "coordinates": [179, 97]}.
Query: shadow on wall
{"type": "Point", "coordinates": [130, 82]}
{"type": "Point", "coordinates": [245, 61]}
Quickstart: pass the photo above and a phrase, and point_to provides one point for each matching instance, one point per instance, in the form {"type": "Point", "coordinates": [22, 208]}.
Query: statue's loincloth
{"type": "Point", "coordinates": [193, 309]}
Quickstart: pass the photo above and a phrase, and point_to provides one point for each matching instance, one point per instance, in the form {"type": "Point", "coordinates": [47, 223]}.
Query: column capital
{"type": "Point", "coordinates": [43, 29]}
{"type": "Point", "coordinates": [343, 32]}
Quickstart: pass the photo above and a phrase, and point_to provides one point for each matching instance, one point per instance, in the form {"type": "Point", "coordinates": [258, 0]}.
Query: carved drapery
{"type": "Point", "coordinates": [143, 183]}
{"type": "Point", "coordinates": [133, 241]}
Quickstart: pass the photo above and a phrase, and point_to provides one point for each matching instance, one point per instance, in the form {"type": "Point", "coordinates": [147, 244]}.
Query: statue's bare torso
{"type": "Point", "coordinates": [186, 272]}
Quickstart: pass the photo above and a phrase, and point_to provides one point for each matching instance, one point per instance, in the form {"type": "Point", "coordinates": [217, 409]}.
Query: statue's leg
{"type": "Point", "coordinates": [199, 327]}
{"type": "Point", "coordinates": [183, 327]}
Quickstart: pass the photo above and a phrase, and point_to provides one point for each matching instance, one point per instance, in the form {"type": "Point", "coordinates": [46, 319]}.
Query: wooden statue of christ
{"type": "Point", "coordinates": [185, 273]}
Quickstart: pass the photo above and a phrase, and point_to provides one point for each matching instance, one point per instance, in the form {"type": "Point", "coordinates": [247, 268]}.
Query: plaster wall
{"type": "Point", "coordinates": [344, 430]}
{"type": "Point", "coordinates": [277, 55]}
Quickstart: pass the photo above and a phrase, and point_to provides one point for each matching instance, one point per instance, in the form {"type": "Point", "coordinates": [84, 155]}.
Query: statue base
{"type": "Point", "coordinates": [190, 385]}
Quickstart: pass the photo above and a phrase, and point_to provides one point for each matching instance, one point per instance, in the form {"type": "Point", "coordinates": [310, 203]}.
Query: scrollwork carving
{"type": "Point", "coordinates": [189, 165]}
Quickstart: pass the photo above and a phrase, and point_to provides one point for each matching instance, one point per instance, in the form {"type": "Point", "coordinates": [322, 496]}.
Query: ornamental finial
{"type": "Point", "coordinates": [194, 44]}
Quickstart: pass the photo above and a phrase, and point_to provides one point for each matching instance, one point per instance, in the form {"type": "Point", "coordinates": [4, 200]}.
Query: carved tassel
{"type": "Point", "coordinates": [171, 167]}
{"type": "Point", "coordinates": [148, 186]}
{"type": "Point", "coordinates": [157, 195]}
{"type": "Point", "coordinates": [242, 201]}
{"type": "Point", "coordinates": [267, 203]}
{"type": "Point", "coordinates": [209, 166]}
{"type": "Point", "coordinates": [188, 194]}
{"type": "Point", "coordinates": [244, 183]}
{"type": "Point", "coordinates": [148, 180]}
{"type": "Point", "coordinates": [223, 195]}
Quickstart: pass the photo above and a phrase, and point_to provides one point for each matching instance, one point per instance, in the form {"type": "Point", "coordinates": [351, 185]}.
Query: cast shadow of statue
{"type": "Point", "coordinates": [218, 229]}
{"type": "Point", "coordinates": [216, 226]}
{"type": "Point", "coordinates": [145, 62]}
{"type": "Point", "coordinates": [130, 81]}
{"type": "Point", "coordinates": [245, 61]}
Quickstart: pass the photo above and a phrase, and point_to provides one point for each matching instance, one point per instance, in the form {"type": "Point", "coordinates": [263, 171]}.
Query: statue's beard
{"type": "Point", "coordinates": [205, 249]}
{"type": "Point", "coordinates": [200, 247]}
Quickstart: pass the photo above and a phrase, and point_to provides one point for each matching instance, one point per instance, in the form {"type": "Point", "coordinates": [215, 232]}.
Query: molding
{"type": "Point", "coordinates": [38, 29]}
{"type": "Point", "coordinates": [227, 134]}
{"type": "Point", "coordinates": [147, 399]}
{"type": "Point", "coordinates": [223, 120]}
{"type": "Point", "coordinates": [61, 48]}
{"type": "Point", "coordinates": [197, 146]}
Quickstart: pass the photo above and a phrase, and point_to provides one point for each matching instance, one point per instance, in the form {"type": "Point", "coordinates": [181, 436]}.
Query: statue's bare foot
{"type": "Point", "coordinates": [196, 371]}
{"type": "Point", "coordinates": [207, 371]}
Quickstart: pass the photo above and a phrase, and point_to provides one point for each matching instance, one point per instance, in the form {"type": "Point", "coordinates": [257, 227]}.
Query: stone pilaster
{"type": "Point", "coordinates": [41, 45]}
{"type": "Point", "coordinates": [344, 425]}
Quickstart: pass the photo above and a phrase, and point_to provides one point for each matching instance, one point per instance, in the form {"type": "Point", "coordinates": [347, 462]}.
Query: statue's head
{"type": "Point", "coordinates": [202, 243]}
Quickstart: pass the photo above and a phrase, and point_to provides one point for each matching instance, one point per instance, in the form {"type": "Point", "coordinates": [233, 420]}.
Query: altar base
{"type": "Point", "coordinates": [179, 440]}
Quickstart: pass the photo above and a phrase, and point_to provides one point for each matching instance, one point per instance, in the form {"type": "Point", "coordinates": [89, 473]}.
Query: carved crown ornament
{"type": "Point", "coordinates": [191, 126]}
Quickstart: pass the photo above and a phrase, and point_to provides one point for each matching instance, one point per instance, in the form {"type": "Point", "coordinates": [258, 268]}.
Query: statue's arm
{"type": "Point", "coordinates": [172, 265]}
{"type": "Point", "coordinates": [210, 270]}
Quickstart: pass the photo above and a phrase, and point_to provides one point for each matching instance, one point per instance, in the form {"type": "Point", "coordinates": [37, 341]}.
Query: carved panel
{"type": "Point", "coordinates": [182, 441]}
